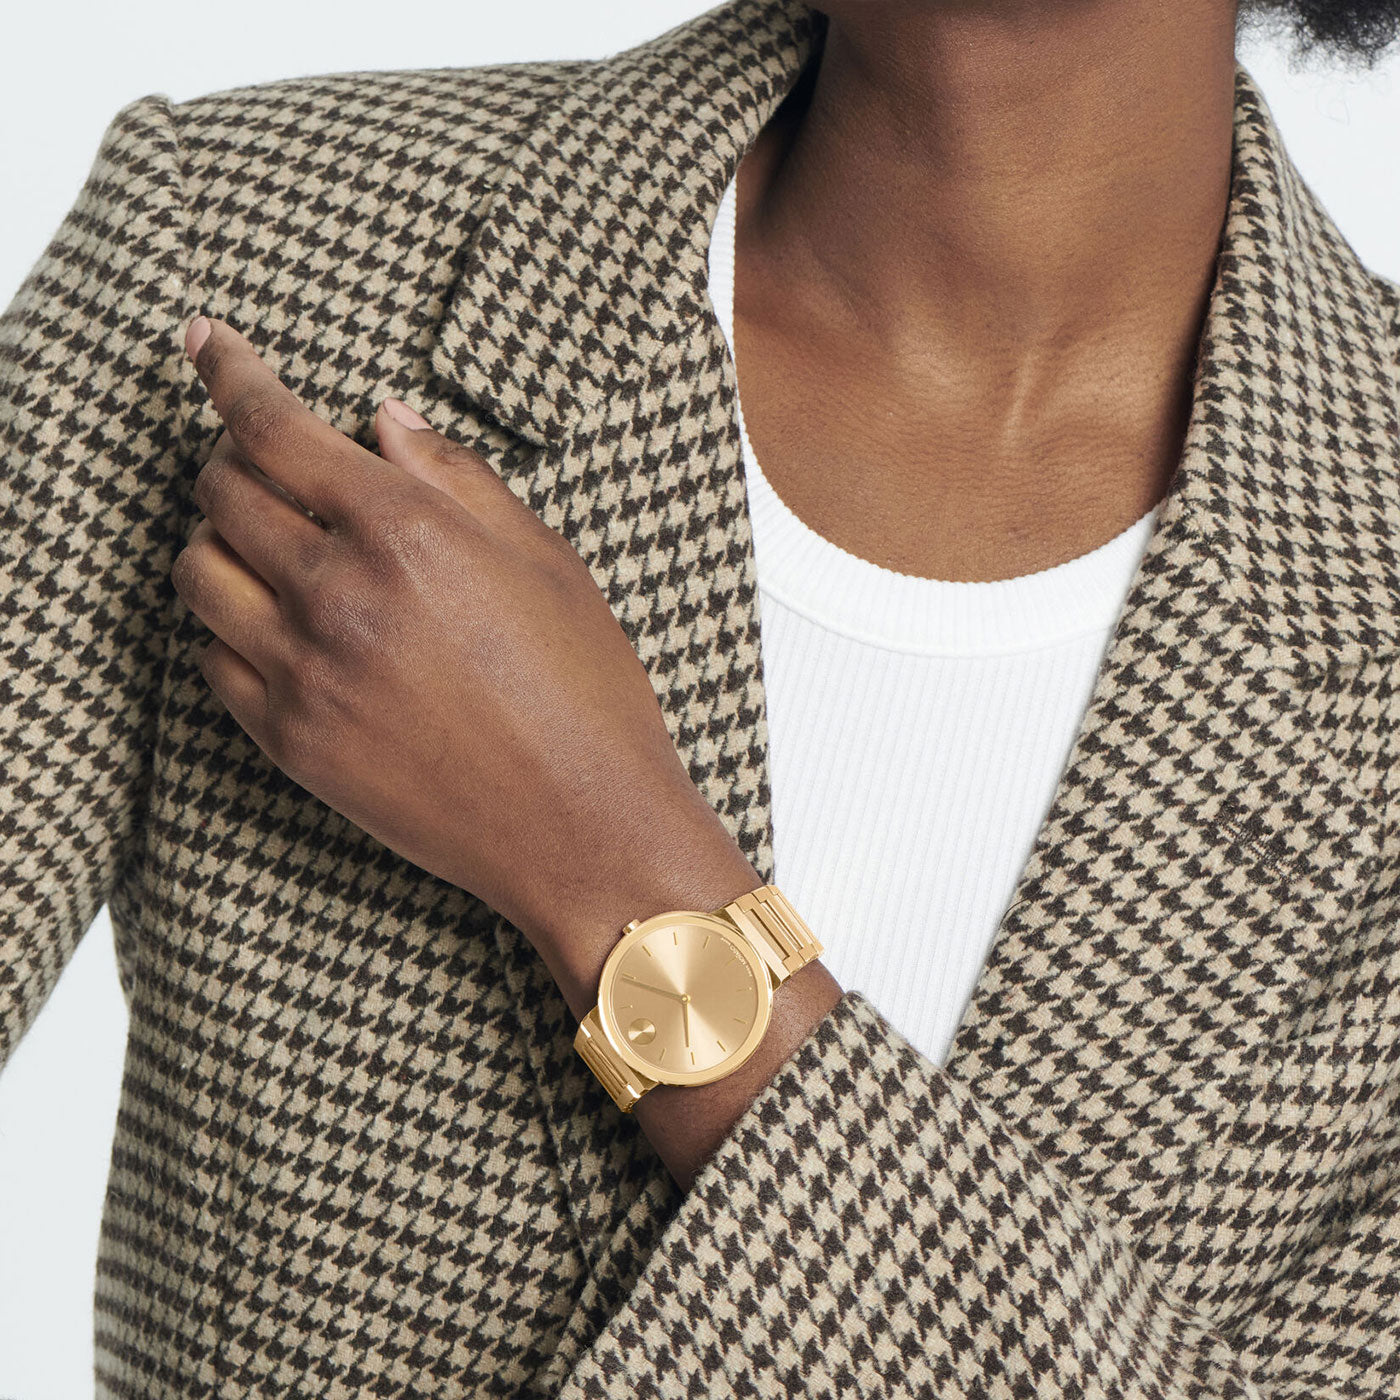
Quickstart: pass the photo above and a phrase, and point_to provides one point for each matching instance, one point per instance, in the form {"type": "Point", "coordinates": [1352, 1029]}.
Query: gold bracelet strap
{"type": "Point", "coordinates": [621, 1081]}
{"type": "Point", "coordinates": [776, 929]}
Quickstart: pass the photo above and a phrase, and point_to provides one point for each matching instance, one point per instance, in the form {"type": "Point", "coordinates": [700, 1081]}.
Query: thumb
{"type": "Point", "coordinates": [409, 441]}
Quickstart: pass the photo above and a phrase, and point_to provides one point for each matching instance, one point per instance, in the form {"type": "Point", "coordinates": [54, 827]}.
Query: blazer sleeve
{"type": "Point", "coordinates": [92, 383]}
{"type": "Point", "coordinates": [870, 1228]}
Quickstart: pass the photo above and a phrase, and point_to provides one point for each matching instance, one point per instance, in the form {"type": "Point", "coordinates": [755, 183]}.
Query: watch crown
{"type": "Point", "coordinates": [630, 925]}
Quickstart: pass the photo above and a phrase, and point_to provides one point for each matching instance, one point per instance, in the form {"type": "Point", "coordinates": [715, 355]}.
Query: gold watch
{"type": "Point", "coordinates": [685, 996]}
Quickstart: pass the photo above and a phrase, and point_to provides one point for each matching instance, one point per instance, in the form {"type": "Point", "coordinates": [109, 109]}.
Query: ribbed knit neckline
{"type": "Point", "coordinates": [856, 597]}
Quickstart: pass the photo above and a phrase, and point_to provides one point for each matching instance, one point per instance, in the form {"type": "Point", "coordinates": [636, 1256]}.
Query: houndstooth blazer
{"type": "Point", "coordinates": [356, 1153]}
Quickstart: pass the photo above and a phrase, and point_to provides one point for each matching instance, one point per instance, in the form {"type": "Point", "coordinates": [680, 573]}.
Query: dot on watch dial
{"type": "Point", "coordinates": [684, 998]}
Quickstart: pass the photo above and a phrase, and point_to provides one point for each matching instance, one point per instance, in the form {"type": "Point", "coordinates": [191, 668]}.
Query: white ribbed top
{"type": "Point", "coordinates": [917, 730]}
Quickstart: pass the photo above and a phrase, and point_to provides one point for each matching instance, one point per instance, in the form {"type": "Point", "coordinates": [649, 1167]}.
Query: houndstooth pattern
{"type": "Point", "coordinates": [355, 1153]}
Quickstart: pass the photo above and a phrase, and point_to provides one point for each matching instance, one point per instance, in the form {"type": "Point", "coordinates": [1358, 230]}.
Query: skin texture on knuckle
{"type": "Point", "coordinates": [317, 710]}
{"type": "Point", "coordinates": [327, 616]}
{"type": "Point", "coordinates": [258, 423]}
{"type": "Point", "coordinates": [212, 662]}
{"type": "Point", "coordinates": [405, 542]}
{"type": "Point", "coordinates": [288, 740]}
{"type": "Point", "coordinates": [450, 451]}
{"type": "Point", "coordinates": [307, 552]}
{"type": "Point", "coordinates": [338, 635]}
{"type": "Point", "coordinates": [210, 485]}
{"type": "Point", "coordinates": [182, 572]}
{"type": "Point", "coordinates": [310, 693]}
{"type": "Point", "coordinates": [190, 577]}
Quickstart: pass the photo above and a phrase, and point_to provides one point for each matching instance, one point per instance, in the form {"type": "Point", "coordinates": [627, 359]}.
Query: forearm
{"type": "Point", "coordinates": [691, 864]}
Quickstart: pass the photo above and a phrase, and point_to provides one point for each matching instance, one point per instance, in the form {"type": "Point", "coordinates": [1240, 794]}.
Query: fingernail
{"type": "Point", "coordinates": [197, 334]}
{"type": "Point", "coordinates": [400, 412]}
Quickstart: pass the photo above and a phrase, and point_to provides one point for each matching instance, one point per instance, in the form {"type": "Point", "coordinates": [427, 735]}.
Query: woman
{"type": "Point", "coordinates": [481, 694]}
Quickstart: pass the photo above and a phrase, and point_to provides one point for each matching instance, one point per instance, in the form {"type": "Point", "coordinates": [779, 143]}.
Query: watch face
{"type": "Point", "coordinates": [684, 1000]}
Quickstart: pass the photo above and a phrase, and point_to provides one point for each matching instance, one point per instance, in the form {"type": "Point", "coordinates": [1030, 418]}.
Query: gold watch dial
{"type": "Point", "coordinates": [686, 1000]}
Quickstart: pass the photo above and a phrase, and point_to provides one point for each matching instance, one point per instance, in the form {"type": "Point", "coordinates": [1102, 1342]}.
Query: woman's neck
{"type": "Point", "coordinates": [1024, 186]}
{"type": "Point", "coordinates": [974, 250]}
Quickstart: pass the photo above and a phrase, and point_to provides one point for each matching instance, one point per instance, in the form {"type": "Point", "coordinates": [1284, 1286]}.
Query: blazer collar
{"type": "Point", "coordinates": [588, 267]}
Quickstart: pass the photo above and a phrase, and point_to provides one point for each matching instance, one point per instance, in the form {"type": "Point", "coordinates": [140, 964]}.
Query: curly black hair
{"type": "Point", "coordinates": [1354, 33]}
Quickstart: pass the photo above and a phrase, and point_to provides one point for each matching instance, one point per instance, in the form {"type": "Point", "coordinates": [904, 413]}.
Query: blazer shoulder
{"type": "Point", "coordinates": [294, 138]}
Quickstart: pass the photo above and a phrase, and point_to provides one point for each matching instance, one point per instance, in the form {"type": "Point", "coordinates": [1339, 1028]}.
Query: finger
{"type": "Point", "coordinates": [227, 597]}
{"type": "Point", "coordinates": [237, 682]}
{"type": "Point", "coordinates": [271, 533]}
{"type": "Point", "coordinates": [409, 441]}
{"type": "Point", "coordinates": [322, 468]}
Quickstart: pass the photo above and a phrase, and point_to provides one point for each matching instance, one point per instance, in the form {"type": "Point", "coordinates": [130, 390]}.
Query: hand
{"type": "Point", "coordinates": [407, 640]}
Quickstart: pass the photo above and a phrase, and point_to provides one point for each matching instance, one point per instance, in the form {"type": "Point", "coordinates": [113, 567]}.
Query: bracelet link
{"type": "Point", "coordinates": [778, 931]}
{"type": "Point", "coordinates": [623, 1084]}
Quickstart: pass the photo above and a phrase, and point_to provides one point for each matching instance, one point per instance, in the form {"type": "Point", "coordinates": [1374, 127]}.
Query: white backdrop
{"type": "Point", "coordinates": [58, 1095]}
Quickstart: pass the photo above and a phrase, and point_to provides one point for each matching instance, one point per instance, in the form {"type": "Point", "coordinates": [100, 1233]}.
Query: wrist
{"type": "Point", "coordinates": [691, 864]}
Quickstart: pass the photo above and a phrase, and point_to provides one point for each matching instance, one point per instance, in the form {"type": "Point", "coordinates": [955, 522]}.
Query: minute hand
{"type": "Point", "coordinates": [647, 987]}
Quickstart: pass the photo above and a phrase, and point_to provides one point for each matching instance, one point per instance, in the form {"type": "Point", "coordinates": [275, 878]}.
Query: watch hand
{"type": "Point", "coordinates": [685, 1007]}
{"type": "Point", "coordinates": [646, 987]}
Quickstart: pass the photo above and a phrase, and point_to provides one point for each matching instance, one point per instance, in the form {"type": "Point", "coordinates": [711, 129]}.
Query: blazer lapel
{"type": "Point", "coordinates": [1228, 739]}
